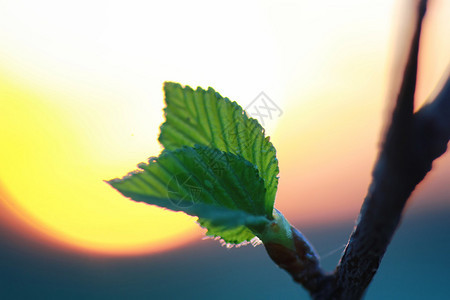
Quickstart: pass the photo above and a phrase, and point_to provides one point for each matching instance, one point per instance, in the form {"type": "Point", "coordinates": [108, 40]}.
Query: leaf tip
{"type": "Point", "coordinates": [170, 84]}
{"type": "Point", "coordinates": [113, 182]}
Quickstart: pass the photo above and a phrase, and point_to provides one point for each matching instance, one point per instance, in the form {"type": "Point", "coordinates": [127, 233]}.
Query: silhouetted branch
{"type": "Point", "coordinates": [413, 141]}
{"type": "Point", "coordinates": [432, 127]}
{"type": "Point", "coordinates": [395, 177]}
{"type": "Point", "coordinates": [397, 172]}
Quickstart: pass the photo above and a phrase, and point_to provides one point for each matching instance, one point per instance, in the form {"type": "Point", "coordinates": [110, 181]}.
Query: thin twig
{"type": "Point", "coordinates": [302, 263]}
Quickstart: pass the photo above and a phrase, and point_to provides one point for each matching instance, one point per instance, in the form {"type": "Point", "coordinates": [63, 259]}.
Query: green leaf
{"type": "Point", "coordinates": [206, 118]}
{"type": "Point", "coordinates": [224, 190]}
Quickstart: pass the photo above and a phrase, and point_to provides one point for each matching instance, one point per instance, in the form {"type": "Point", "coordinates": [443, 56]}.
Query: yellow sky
{"type": "Point", "coordinates": [81, 101]}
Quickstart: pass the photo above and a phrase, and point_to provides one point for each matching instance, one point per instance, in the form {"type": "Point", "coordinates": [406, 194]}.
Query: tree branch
{"type": "Point", "coordinates": [392, 184]}
{"type": "Point", "coordinates": [413, 141]}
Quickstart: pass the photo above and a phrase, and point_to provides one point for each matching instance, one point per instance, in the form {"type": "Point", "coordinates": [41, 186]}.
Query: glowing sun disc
{"type": "Point", "coordinates": [54, 157]}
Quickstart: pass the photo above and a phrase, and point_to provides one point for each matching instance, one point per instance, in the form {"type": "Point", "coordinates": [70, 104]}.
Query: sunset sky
{"type": "Point", "coordinates": [81, 102]}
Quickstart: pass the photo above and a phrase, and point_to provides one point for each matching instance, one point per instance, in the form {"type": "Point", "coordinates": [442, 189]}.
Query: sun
{"type": "Point", "coordinates": [56, 153]}
{"type": "Point", "coordinates": [81, 102]}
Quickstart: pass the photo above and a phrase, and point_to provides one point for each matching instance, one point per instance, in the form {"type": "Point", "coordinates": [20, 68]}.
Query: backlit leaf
{"type": "Point", "coordinates": [224, 190]}
{"type": "Point", "coordinates": [204, 117]}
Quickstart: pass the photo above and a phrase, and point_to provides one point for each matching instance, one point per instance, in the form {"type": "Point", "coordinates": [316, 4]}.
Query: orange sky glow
{"type": "Point", "coordinates": [82, 103]}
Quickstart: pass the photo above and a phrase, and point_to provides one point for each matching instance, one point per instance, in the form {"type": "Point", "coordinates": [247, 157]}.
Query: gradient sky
{"type": "Point", "coordinates": [81, 101]}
